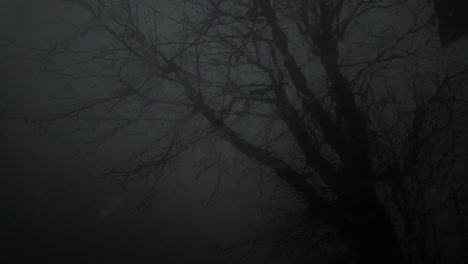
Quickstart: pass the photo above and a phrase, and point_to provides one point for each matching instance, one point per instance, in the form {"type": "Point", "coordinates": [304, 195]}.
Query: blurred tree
{"type": "Point", "coordinates": [350, 103]}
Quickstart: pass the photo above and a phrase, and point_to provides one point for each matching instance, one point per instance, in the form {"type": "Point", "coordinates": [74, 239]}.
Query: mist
{"type": "Point", "coordinates": [68, 195]}
{"type": "Point", "coordinates": [56, 204]}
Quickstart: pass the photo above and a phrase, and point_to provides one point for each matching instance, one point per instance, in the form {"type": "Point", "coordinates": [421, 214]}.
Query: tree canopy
{"type": "Point", "coordinates": [352, 104]}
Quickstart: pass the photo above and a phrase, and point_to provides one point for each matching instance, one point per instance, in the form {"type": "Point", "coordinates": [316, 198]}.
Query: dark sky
{"type": "Point", "coordinates": [56, 208]}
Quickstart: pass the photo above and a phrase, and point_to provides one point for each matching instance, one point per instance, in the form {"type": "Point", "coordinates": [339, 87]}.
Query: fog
{"type": "Point", "coordinates": [56, 205]}
{"type": "Point", "coordinates": [215, 201]}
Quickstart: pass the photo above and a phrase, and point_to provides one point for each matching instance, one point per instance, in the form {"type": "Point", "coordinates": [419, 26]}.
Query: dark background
{"type": "Point", "coordinates": [57, 207]}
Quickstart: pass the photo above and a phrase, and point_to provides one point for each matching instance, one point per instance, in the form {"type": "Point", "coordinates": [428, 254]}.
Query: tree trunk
{"type": "Point", "coordinates": [364, 223]}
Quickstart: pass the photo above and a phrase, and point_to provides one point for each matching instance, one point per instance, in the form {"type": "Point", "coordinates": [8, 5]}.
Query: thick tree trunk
{"type": "Point", "coordinates": [369, 230]}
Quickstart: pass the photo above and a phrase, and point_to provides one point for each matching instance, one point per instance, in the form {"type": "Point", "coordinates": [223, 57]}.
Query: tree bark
{"type": "Point", "coordinates": [365, 224]}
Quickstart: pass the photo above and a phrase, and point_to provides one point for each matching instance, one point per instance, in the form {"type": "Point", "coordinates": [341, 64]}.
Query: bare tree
{"type": "Point", "coordinates": [352, 104]}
